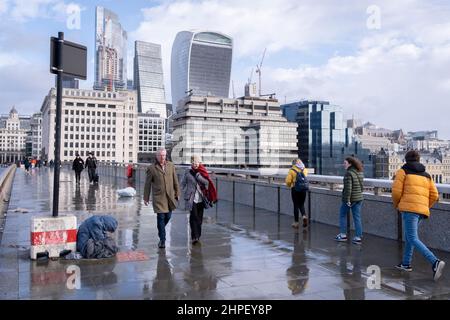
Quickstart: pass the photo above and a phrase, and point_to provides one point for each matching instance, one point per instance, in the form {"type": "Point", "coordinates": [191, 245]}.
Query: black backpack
{"type": "Point", "coordinates": [301, 182]}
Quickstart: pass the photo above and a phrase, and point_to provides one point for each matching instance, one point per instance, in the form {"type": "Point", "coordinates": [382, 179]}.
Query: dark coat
{"type": "Point", "coordinates": [353, 186]}
{"type": "Point", "coordinates": [78, 164]}
{"type": "Point", "coordinates": [91, 163]}
{"type": "Point", "coordinates": [166, 189]}
{"type": "Point", "coordinates": [189, 186]}
{"type": "Point", "coordinates": [94, 230]}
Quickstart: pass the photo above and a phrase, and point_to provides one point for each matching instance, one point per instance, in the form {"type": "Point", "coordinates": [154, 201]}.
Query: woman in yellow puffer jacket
{"type": "Point", "coordinates": [413, 194]}
{"type": "Point", "coordinates": [298, 196]}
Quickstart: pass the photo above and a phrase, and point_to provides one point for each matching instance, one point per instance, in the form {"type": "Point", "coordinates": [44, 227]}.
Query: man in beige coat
{"type": "Point", "coordinates": [163, 178]}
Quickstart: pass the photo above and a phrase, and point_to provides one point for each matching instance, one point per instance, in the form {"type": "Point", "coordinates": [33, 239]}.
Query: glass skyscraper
{"type": "Point", "coordinates": [110, 51]}
{"type": "Point", "coordinates": [322, 138]}
{"type": "Point", "coordinates": [148, 78]}
{"type": "Point", "coordinates": [200, 65]}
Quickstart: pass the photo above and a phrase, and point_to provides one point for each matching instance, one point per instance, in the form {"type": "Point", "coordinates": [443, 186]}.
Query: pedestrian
{"type": "Point", "coordinates": [162, 177]}
{"type": "Point", "coordinates": [194, 180]}
{"type": "Point", "coordinates": [297, 181]}
{"type": "Point", "coordinates": [78, 166]}
{"type": "Point", "coordinates": [91, 164]}
{"type": "Point", "coordinates": [27, 164]}
{"type": "Point", "coordinates": [413, 194]}
{"type": "Point", "coordinates": [352, 198]}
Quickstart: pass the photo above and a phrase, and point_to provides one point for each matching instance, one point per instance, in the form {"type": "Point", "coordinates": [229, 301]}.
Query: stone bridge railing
{"type": "Point", "coordinates": [265, 189]}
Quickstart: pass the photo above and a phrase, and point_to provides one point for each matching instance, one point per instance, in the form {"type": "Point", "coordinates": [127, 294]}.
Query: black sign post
{"type": "Point", "coordinates": [66, 58]}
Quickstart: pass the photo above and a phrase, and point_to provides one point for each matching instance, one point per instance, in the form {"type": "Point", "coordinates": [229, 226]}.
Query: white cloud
{"type": "Point", "coordinates": [23, 10]}
{"type": "Point", "coordinates": [395, 84]}
{"type": "Point", "coordinates": [275, 24]}
{"type": "Point", "coordinates": [9, 60]}
{"type": "Point", "coordinates": [395, 75]}
{"type": "Point", "coordinates": [3, 6]}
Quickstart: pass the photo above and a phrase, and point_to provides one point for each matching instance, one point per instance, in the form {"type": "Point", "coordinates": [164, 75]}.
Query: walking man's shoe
{"type": "Point", "coordinates": [161, 244]}
{"type": "Point", "coordinates": [357, 240]}
{"type": "Point", "coordinates": [305, 221]}
{"type": "Point", "coordinates": [341, 237]}
{"type": "Point", "coordinates": [295, 225]}
{"type": "Point", "coordinates": [402, 267]}
{"type": "Point", "coordinates": [438, 267]}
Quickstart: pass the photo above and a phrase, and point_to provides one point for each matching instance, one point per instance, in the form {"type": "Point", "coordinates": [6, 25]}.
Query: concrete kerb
{"type": "Point", "coordinates": [6, 182]}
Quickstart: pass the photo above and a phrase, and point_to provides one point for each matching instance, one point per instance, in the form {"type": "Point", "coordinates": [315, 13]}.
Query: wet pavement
{"type": "Point", "coordinates": [245, 253]}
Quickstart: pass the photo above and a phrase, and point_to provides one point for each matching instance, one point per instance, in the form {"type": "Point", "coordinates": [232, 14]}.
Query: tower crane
{"type": "Point", "coordinates": [258, 69]}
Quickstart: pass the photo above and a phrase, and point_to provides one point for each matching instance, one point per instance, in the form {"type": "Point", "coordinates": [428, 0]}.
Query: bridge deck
{"type": "Point", "coordinates": [244, 254]}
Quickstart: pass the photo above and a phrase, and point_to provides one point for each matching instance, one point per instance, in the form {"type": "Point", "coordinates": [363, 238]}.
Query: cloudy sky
{"type": "Point", "coordinates": [383, 61]}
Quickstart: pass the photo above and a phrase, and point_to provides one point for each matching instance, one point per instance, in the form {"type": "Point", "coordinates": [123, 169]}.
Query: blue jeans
{"type": "Point", "coordinates": [410, 225]}
{"type": "Point", "coordinates": [162, 220]}
{"type": "Point", "coordinates": [356, 212]}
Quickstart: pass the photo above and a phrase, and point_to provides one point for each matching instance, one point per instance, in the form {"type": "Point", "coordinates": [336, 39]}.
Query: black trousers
{"type": "Point", "coordinates": [91, 172]}
{"type": "Point", "coordinates": [298, 198]}
{"type": "Point", "coordinates": [196, 220]}
{"type": "Point", "coordinates": [77, 175]}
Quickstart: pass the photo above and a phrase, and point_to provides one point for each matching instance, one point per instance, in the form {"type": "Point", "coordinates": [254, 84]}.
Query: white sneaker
{"type": "Point", "coordinates": [295, 225]}
{"type": "Point", "coordinates": [437, 269]}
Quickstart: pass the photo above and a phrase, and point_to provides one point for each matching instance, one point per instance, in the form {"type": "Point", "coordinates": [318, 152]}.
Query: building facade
{"type": "Point", "coordinates": [69, 82]}
{"type": "Point", "coordinates": [437, 164]}
{"type": "Point", "coordinates": [324, 140]}
{"type": "Point", "coordinates": [148, 78]}
{"type": "Point", "coordinates": [14, 130]}
{"type": "Point", "coordinates": [110, 51]}
{"type": "Point", "coordinates": [245, 132]}
{"type": "Point", "coordinates": [152, 132]}
{"type": "Point", "coordinates": [428, 144]}
{"type": "Point", "coordinates": [36, 135]}
{"type": "Point", "coordinates": [92, 121]}
{"type": "Point", "coordinates": [200, 65]}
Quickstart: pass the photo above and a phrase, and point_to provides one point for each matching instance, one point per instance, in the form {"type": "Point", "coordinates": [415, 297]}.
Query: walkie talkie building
{"type": "Point", "coordinates": [200, 65]}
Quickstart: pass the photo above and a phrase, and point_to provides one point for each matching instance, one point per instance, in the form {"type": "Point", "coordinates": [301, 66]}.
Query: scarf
{"type": "Point", "coordinates": [210, 193]}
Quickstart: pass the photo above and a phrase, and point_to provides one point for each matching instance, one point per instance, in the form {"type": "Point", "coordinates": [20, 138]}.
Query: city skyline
{"type": "Point", "coordinates": [388, 75]}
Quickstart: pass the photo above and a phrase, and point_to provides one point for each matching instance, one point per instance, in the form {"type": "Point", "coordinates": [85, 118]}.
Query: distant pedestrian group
{"type": "Point", "coordinates": [78, 165]}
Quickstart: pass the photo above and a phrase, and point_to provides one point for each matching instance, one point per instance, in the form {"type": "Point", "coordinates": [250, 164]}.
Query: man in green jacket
{"type": "Point", "coordinates": [352, 198]}
{"type": "Point", "coordinates": [162, 177]}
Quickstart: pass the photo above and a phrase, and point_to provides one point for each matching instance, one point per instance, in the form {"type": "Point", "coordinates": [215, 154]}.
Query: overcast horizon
{"type": "Point", "coordinates": [382, 62]}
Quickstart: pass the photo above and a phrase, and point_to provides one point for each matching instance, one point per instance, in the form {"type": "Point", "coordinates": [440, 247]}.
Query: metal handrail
{"type": "Point", "coordinates": [273, 174]}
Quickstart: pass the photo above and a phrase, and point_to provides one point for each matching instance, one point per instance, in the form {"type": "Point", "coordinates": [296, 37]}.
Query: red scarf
{"type": "Point", "coordinates": [211, 192]}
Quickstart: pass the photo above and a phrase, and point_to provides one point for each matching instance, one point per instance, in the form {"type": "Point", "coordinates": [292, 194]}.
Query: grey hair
{"type": "Point", "coordinates": [196, 157]}
{"type": "Point", "coordinates": [161, 150]}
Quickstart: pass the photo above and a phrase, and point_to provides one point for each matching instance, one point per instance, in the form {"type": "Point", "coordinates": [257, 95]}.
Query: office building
{"type": "Point", "coordinates": [200, 65]}
{"type": "Point", "coordinates": [152, 134]}
{"type": "Point", "coordinates": [92, 121]}
{"type": "Point", "coordinates": [244, 132]}
{"type": "Point", "coordinates": [110, 51]}
{"type": "Point", "coordinates": [36, 135]}
{"type": "Point", "coordinates": [324, 141]}
{"type": "Point", "coordinates": [14, 130]}
{"type": "Point", "coordinates": [148, 78]}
